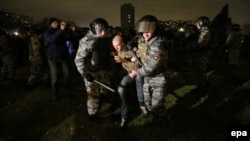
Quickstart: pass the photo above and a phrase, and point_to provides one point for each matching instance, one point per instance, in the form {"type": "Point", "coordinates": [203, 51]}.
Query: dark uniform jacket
{"type": "Point", "coordinates": [154, 56]}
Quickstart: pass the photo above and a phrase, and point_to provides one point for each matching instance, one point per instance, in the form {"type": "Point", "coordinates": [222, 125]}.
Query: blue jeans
{"type": "Point", "coordinates": [139, 90]}
{"type": "Point", "coordinates": [122, 90]}
{"type": "Point", "coordinates": [54, 65]}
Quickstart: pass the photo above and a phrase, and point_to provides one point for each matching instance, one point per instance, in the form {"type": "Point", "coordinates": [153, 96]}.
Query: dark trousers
{"type": "Point", "coordinates": [54, 66]}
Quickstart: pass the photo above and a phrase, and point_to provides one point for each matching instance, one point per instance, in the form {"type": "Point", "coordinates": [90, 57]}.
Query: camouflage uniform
{"type": "Point", "coordinates": [100, 72]}
{"type": "Point", "coordinates": [154, 56]}
{"type": "Point", "coordinates": [37, 59]}
{"type": "Point", "coordinates": [7, 54]}
{"type": "Point", "coordinates": [126, 54]}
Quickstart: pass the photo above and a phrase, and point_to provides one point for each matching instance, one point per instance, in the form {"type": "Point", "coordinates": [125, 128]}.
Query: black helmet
{"type": "Point", "coordinates": [203, 21]}
{"type": "Point", "coordinates": [192, 30]}
{"type": "Point", "coordinates": [98, 25]}
{"type": "Point", "coordinates": [147, 23]}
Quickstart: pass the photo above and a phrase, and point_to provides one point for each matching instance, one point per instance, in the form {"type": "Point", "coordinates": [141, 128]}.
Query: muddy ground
{"type": "Point", "coordinates": [193, 114]}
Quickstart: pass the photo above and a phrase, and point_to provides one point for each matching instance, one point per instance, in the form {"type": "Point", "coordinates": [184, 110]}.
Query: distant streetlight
{"type": "Point", "coordinates": [181, 29]}
{"type": "Point", "coordinates": [16, 33]}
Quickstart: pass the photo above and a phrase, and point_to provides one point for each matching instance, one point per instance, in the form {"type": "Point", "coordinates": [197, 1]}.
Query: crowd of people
{"type": "Point", "coordinates": [140, 60]}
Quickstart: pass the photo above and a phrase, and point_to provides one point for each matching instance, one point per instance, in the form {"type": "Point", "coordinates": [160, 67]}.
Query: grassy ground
{"type": "Point", "coordinates": [192, 114]}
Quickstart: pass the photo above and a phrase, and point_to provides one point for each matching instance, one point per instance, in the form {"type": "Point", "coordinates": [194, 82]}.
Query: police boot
{"type": "Point", "coordinates": [150, 119]}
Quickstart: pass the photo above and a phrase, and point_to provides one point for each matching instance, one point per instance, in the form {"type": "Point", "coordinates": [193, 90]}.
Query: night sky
{"type": "Point", "coordinates": [84, 11]}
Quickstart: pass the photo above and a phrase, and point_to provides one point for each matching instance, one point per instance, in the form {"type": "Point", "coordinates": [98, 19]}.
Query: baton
{"type": "Point", "coordinates": [105, 86]}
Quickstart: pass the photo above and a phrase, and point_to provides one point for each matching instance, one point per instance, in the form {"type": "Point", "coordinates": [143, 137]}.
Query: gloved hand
{"type": "Point", "coordinates": [89, 77]}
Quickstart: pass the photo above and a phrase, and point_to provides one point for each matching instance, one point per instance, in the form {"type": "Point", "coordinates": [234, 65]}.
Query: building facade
{"type": "Point", "coordinates": [127, 16]}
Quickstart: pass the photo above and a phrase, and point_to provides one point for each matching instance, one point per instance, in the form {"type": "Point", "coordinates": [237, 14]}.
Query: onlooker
{"type": "Point", "coordinates": [57, 54]}
{"type": "Point", "coordinates": [73, 43]}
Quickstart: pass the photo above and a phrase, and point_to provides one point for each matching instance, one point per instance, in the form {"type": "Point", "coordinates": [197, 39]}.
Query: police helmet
{"type": "Point", "coordinates": [203, 21]}
{"type": "Point", "coordinates": [98, 25]}
{"type": "Point", "coordinates": [147, 23]}
{"type": "Point", "coordinates": [191, 30]}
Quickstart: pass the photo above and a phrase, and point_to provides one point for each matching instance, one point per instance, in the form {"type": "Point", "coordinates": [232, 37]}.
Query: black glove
{"type": "Point", "coordinates": [89, 77]}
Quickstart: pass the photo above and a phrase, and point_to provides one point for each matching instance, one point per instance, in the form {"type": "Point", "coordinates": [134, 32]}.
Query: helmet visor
{"type": "Point", "coordinates": [146, 27]}
{"type": "Point", "coordinates": [97, 28]}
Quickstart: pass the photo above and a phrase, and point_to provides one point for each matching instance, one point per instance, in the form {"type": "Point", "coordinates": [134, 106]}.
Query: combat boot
{"type": "Point", "coordinates": [150, 119]}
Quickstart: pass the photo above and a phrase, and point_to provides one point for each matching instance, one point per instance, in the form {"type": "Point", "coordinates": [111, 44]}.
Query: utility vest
{"type": "Point", "coordinates": [129, 66]}
{"type": "Point", "coordinates": [142, 49]}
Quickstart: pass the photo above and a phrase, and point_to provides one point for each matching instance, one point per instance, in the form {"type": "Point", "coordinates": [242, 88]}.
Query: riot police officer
{"type": "Point", "coordinates": [7, 55]}
{"type": "Point", "coordinates": [154, 55]}
{"type": "Point", "coordinates": [37, 59]}
{"type": "Point", "coordinates": [93, 61]}
{"type": "Point", "coordinates": [233, 45]}
{"type": "Point", "coordinates": [203, 50]}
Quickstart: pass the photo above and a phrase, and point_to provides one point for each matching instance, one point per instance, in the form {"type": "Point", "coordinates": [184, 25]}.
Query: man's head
{"type": "Point", "coordinates": [53, 22]}
{"type": "Point", "coordinates": [118, 43]}
{"type": "Point", "coordinates": [72, 26]}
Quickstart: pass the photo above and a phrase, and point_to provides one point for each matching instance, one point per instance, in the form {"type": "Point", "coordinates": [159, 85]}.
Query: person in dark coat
{"type": "Point", "coordinates": [57, 53]}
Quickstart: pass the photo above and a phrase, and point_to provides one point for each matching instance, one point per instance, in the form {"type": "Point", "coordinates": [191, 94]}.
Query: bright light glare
{"type": "Point", "coordinates": [16, 33]}
{"type": "Point", "coordinates": [181, 29]}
